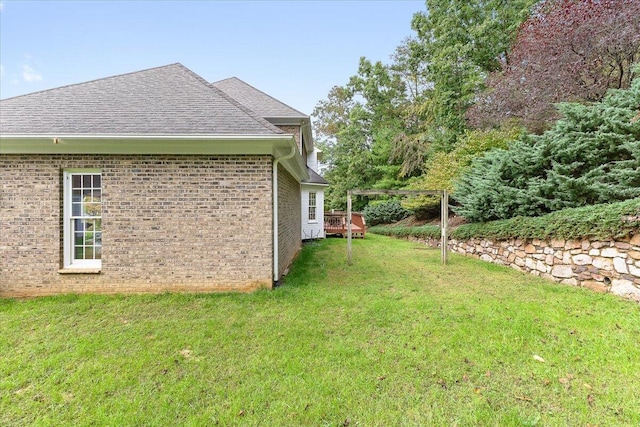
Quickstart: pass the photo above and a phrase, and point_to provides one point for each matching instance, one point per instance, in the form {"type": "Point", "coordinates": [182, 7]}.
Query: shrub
{"type": "Point", "coordinates": [604, 221]}
{"type": "Point", "coordinates": [386, 212]}
{"type": "Point", "coordinates": [444, 168]}
{"type": "Point", "coordinates": [591, 156]}
{"type": "Point", "coordinates": [423, 231]}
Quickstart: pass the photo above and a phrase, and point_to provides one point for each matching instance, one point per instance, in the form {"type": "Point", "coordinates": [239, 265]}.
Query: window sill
{"type": "Point", "coordinates": [312, 222]}
{"type": "Point", "coordinates": [76, 270]}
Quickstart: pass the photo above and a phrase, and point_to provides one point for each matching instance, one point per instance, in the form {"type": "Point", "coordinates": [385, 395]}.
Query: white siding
{"type": "Point", "coordinates": [312, 159]}
{"type": "Point", "coordinates": [312, 229]}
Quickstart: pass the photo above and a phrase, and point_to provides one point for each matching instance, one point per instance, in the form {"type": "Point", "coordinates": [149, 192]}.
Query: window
{"type": "Point", "coordinates": [312, 206]}
{"type": "Point", "coordinates": [82, 219]}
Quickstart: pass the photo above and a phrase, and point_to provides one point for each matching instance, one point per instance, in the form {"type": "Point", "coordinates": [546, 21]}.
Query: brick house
{"type": "Point", "coordinates": [147, 182]}
{"type": "Point", "coordinates": [299, 124]}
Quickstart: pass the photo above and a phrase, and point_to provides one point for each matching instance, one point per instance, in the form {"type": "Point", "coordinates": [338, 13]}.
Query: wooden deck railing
{"type": "Point", "coordinates": [336, 223]}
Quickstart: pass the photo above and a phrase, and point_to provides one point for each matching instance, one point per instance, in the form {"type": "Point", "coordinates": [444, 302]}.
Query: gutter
{"type": "Point", "coordinates": [276, 161]}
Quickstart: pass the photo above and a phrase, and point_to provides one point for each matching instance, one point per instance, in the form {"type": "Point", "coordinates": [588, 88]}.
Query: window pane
{"type": "Point", "coordinates": [79, 238]}
{"type": "Point", "coordinates": [86, 181]}
{"type": "Point", "coordinates": [76, 209]}
{"type": "Point", "coordinates": [92, 209]}
{"type": "Point", "coordinates": [75, 181]}
{"type": "Point", "coordinates": [97, 181]}
{"type": "Point", "coordinates": [79, 252]}
{"type": "Point", "coordinates": [88, 253]}
{"type": "Point", "coordinates": [98, 252]}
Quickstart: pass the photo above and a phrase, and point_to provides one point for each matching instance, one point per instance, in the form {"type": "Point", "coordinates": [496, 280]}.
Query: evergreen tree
{"type": "Point", "coordinates": [590, 156]}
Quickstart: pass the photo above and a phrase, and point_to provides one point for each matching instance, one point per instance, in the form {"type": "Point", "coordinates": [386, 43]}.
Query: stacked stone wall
{"type": "Point", "coordinates": [184, 223]}
{"type": "Point", "coordinates": [603, 266]}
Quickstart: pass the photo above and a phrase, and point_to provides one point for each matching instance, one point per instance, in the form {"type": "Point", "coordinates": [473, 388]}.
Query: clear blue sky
{"type": "Point", "coordinates": [293, 50]}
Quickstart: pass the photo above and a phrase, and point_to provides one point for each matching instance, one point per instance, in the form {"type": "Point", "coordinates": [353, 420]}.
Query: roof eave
{"type": "Point", "coordinates": [315, 184]}
{"type": "Point", "coordinates": [272, 145]}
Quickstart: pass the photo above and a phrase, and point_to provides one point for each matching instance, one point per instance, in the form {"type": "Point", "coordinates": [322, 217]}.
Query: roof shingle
{"type": "Point", "coordinates": [264, 105]}
{"type": "Point", "coordinates": [168, 100]}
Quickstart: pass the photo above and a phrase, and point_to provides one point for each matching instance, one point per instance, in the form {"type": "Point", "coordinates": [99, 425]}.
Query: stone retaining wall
{"type": "Point", "coordinates": [603, 266]}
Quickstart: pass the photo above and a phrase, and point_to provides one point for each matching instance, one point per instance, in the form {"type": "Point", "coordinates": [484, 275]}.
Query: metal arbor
{"type": "Point", "coordinates": [444, 213]}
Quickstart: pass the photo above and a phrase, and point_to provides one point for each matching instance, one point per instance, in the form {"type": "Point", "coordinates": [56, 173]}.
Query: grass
{"type": "Point", "coordinates": [394, 339]}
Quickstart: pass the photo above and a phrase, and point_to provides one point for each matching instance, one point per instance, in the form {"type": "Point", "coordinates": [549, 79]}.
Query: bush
{"type": "Point", "coordinates": [591, 156]}
{"type": "Point", "coordinates": [605, 221]}
{"type": "Point", "coordinates": [386, 212]}
{"type": "Point", "coordinates": [424, 231]}
{"type": "Point", "coordinates": [444, 168]}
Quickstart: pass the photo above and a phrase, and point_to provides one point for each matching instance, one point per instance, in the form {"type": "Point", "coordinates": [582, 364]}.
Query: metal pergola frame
{"type": "Point", "coordinates": [444, 213]}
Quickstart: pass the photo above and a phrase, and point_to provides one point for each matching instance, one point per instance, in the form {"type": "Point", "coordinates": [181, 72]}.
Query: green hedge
{"type": "Point", "coordinates": [424, 231]}
{"type": "Point", "coordinates": [605, 221]}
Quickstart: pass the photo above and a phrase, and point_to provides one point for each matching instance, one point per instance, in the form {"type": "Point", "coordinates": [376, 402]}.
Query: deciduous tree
{"type": "Point", "coordinates": [567, 50]}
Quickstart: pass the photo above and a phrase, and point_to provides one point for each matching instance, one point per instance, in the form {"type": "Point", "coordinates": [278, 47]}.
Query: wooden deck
{"type": "Point", "coordinates": [336, 224]}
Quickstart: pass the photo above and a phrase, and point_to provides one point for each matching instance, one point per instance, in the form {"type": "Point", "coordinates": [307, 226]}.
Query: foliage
{"type": "Point", "coordinates": [385, 213]}
{"type": "Point", "coordinates": [394, 339]}
{"type": "Point", "coordinates": [445, 168]}
{"type": "Point", "coordinates": [423, 231]}
{"type": "Point", "coordinates": [380, 128]}
{"type": "Point", "coordinates": [566, 51]}
{"type": "Point", "coordinates": [591, 156]}
{"type": "Point", "coordinates": [355, 126]}
{"type": "Point", "coordinates": [605, 221]}
{"type": "Point", "coordinates": [463, 41]}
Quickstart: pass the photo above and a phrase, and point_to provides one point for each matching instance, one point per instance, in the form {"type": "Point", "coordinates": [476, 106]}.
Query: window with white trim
{"type": "Point", "coordinates": [82, 218]}
{"type": "Point", "coordinates": [312, 206]}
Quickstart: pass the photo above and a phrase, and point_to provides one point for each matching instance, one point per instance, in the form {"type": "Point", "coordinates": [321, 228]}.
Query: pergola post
{"type": "Point", "coordinates": [444, 225]}
{"type": "Point", "coordinates": [349, 227]}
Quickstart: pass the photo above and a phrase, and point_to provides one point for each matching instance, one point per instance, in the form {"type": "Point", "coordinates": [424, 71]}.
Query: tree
{"type": "Point", "coordinates": [380, 128]}
{"type": "Point", "coordinates": [567, 50]}
{"type": "Point", "coordinates": [445, 168]}
{"type": "Point", "coordinates": [590, 156]}
{"type": "Point", "coordinates": [463, 41]}
{"type": "Point", "coordinates": [355, 126]}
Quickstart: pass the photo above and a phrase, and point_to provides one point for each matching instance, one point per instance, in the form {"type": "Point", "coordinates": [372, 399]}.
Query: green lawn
{"type": "Point", "coordinates": [395, 339]}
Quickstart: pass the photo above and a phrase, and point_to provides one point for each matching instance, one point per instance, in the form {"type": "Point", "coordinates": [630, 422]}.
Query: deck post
{"type": "Point", "coordinates": [349, 227]}
{"type": "Point", "coordinates": [444, 225]}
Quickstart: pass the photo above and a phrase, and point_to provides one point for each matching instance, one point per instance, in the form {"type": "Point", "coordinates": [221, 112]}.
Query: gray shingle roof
{"type": "Point", "coordinates": [168, 100]}
{"type": "Point", "coordinates": [314, 178]}
{"type": "Point", "coordinates": [256, 100]}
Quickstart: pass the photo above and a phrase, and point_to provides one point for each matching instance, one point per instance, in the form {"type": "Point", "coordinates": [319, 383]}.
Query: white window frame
{"type": "Point", "coordinates": [68, 226]}
{"type": "Point", "coordinates": [313, 208]}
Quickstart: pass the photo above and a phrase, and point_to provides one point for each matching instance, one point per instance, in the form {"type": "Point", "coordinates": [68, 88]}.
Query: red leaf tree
{"type": "Point", "coordinates": [568, 50]}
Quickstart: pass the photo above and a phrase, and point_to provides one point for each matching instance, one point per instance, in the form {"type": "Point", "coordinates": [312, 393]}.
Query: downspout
{"type": "Point", "coordinates": [276, 161]}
